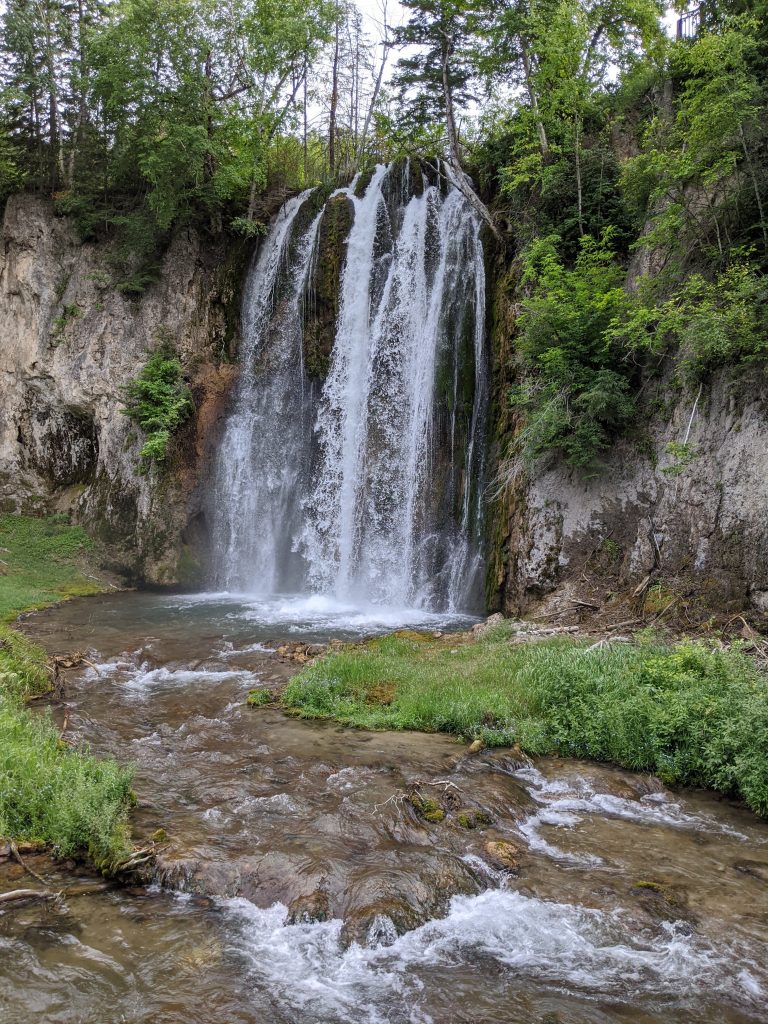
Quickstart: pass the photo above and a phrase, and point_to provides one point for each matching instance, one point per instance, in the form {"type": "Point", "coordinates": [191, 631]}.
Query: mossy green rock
{"type": "Point", "coordinates": [427, 808]}
{"type": "Point", "coordinates": [323, 307]}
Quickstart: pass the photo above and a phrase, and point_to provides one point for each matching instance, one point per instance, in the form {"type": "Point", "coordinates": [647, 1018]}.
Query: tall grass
{"type": "Point", "coordinates": [52, 794]}
{"type": "Point", "coordinates": [686, 713]}
{"type": "Point", "coordinates": [49, 792]}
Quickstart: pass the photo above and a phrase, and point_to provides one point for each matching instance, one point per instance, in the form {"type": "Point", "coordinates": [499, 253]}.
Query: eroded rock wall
{"type": "Point", "coordinates": [696, 530]}
{"type": "Point", "coordinates": [69, 342]}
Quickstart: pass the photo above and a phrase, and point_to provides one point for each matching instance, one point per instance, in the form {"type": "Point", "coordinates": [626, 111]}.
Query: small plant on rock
{"type": "Point", "coordinates": [160, 401]}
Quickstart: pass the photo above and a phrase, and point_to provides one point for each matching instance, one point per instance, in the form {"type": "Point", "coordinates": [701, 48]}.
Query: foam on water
{"type": "Point", "coordinates": [549, 943]}
{"type": "Point", "coordinates": [140, 679]}
{"type": "Point", "coordinates": [565, 802]}
{"type": "Point", "coordinates": [315, 613]}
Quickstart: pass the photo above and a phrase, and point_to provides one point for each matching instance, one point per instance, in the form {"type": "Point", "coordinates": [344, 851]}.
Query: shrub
{"type": "Point", "coordinates": [712, 323]}
{"type": "Point", "coordinates": [160, 401]}
{"type": "Point", "coordinates": [575, 387]}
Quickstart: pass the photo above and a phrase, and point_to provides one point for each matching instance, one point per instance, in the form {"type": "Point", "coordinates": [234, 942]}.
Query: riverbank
{"type": "Point", "coordinates": [50, 794]}
{"type": "Point", "coordinates": [686, 712]}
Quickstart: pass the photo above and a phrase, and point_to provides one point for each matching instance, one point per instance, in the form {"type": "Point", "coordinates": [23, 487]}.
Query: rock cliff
{"type": "Point", "coordinates": [651, 530]}
{"type": "Point", "coordinates": [69, 342]}
{"type": "Point", "coordinates": [648, 526]}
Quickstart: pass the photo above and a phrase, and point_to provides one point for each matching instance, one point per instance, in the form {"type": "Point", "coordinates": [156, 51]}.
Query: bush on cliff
{"type": "Point", "coordinates": [159, 400]}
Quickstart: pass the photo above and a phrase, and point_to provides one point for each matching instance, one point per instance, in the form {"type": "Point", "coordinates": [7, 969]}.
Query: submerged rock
{"type": "Point", "coordinates": [754, 868]}
{"type": "Point", "coordinates": [473, 818]}
{"type": "Point", "coordinates": [379, 923]}
{"type": "Point", "coordinates": [427, 808]}
{"type": "Point", "coordinates": [310, 908]}
{"type": "Point", "coordinates": [503, 854]}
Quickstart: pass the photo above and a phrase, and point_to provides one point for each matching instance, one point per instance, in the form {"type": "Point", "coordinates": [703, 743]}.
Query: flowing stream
{"type": "Point", "coordinates": [300, 886]}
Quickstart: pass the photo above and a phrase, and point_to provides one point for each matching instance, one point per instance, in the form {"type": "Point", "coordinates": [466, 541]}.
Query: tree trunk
{"type": "Point", "coordinates": [374, 98]}
{"type": "Point", "coordinates": [82, 112]}
{"type": "Point", "coordinates": [458, 177]}
{"type": "Point", "coordinates": [305, 132]}
{"type": "Point", "coordinates": [579, 191]}
{"type": "Point", "coordinates": [334, 105]}
{"type": "Point", "coordinates": [543, 142]}
{"type": "Point", "coordinates": [755, 187]}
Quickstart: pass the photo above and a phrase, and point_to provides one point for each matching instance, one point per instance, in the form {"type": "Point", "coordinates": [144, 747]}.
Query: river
{"type": "Point", "coordinates": [299, 883]}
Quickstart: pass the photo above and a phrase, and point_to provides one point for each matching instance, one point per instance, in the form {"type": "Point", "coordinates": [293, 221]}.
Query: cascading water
{"type": "Point", "coordinates": [262, 460]}
{"type": "Point", "coordinates": [364, 486]}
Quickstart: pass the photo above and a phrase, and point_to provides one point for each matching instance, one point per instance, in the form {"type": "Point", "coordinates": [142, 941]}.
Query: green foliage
{"type": "Point", "coordinates": [49, 793]}
{"type": "Point", "coordinates": [258, 698]}
{"type": "Point", "coordinates": [41, 560]}
{"type": "Point", "coordinates": [700, 173]}
{"type": "Point", "coordinates": [142, 115]}
{"type": "Point", "coordinates": [23, 666]}
{"type": "Point", "coordinates": [70, 312]}
{"type": "Point", "coordinates": [52, 794]}
{"type": "Point", "coordinates": [160, 401]}
{"type": "Point", "coordinates": [574, 387]}
{"type": "Point", "coordinates": [708, 323]}
{"type": "Point", "coordinates": [686, 713]}
{"type": "Point", "coordinates": [248, 228]}
{"type": "Point", "coordinates": [682, 456]}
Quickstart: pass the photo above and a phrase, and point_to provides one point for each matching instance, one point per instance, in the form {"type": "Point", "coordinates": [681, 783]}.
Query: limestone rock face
{"type": "Point", "coordinates": [702, 526]}
{"type": "Point", "coordinates": [69, 342]}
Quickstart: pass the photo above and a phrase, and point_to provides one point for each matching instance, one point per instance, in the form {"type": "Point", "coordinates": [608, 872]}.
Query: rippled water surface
{"type": "Point", "coordinates": [631, 904]}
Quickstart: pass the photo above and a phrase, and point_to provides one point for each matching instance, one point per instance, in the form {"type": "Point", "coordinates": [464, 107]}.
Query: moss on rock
{"type": "Point", "coordinates": [323, 311]}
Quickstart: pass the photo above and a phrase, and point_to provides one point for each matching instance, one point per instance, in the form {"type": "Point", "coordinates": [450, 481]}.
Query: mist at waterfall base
{"type": "Point", "coordinates": [352, 496]}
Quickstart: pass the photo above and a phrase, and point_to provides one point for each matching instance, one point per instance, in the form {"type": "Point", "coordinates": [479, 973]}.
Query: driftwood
{"type": "Point", "coordinates": [17, 895]}
{"type": "Point", "coordinates": [84, 889]}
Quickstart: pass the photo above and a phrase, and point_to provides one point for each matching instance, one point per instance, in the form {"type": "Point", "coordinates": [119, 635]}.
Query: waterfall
{"type": "Point", "coordinates": [366, 485]}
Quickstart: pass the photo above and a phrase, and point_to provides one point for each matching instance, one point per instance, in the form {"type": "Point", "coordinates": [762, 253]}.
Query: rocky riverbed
{"type": "Point", "coordinates": [311, 873]}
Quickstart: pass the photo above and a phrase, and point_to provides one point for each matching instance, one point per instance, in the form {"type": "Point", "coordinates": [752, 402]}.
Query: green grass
{"type": "Point", "coordinates": [689, 714]}
{"type": "Point", "coordinates": [49, 792]}
{"type": "Point", "coordinates": [41, 562]}
{"type": "Point", "coordinates": [58, 796]}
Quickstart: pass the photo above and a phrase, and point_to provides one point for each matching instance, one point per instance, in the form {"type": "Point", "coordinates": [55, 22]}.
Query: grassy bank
{"type": "Point", "coordinates": [49, 792]}
{"type": "Point", "coordinates": [686, 713]}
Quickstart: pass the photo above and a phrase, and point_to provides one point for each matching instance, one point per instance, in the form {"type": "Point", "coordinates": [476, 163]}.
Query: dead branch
{"type": "Point", "coordinates": [19, 859]}
{"type": "Point", "coordinates": [16, 895]}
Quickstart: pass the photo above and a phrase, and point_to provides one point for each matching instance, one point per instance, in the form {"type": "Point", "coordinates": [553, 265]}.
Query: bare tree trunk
{"type": "Point", "coordinates": [304, 139]}
{"type": "Point", "coordinates": [334, 105]}
{"type": "Point", "coordinates": [755, 187]}
{"type": "Point", "coordinates": [374, 99]}
{"type": "Point", "coordinates": [82, 112]}
{"type": "Point", "coordinates": [543, 142]}
{"type": "Point", "coordinates": [458, 177]}
{"type": "Point", "coordinates": [579, 195]}
{"type": "Point", "coordinates": [56, 156]}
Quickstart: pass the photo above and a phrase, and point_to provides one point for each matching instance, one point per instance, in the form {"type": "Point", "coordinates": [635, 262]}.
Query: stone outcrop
{"type": "Point", "coordinates": [696, 530]}
{"type": "Point", "coordinates": [558, 541]}
{"type": "Point", "coordinates": [69, 343]}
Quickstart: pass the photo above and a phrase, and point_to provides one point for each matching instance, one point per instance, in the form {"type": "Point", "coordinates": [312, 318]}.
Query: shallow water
{"type": "Point", "coordinates": [268, 815]}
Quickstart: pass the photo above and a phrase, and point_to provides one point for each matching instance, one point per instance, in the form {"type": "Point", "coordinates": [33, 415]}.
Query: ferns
{"type": "Point", "coordinates": [160, 401]}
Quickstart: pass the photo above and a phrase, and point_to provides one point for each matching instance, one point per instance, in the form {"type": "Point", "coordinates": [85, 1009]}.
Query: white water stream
{"type": "Point", "coordinates": [363, 487]}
